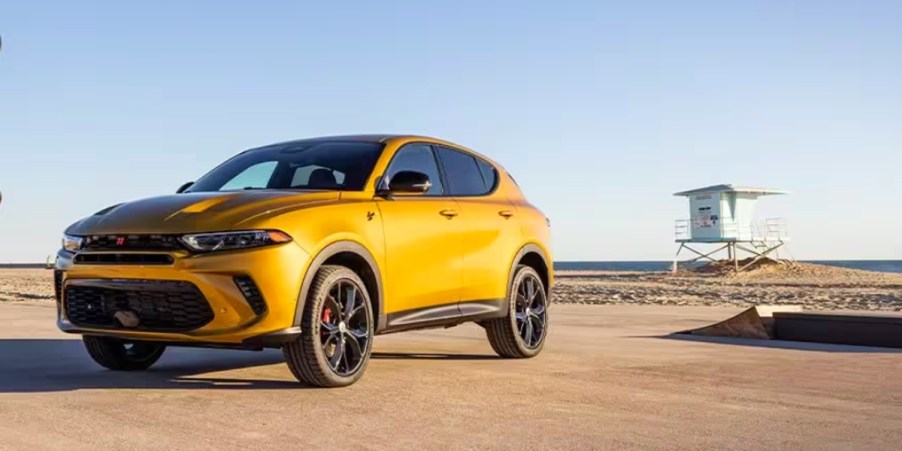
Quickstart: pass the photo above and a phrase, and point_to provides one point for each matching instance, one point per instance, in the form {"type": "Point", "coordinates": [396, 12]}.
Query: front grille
{"type": "Point", "coordinates": [124, 259]}
{"type": "Point", "coordinates": [132, 242]}
{"type": "Point", "coordinates": [251, 294]}
{"type": "Point", "coordinates": [57, 284]}
{"type": "Point", "coordinates": [159, 305]}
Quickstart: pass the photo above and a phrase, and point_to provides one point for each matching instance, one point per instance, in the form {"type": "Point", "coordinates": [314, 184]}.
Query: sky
{"type": "Point", "coordinates": [600, 110]}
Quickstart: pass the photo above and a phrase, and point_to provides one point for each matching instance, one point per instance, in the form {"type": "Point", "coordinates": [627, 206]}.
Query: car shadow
{"type": "Point", "coordinates": [430, 356]}
{"type": "Point", "coordinates": [34, 365]}
{"type": "Point", "coordinates": [52, 365]}
{"type": "Point", "coordinates": [781, 344]}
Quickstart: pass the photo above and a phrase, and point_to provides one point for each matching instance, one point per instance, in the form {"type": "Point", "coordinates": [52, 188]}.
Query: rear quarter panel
{"type": "Point", "coordinates": [534, 225]}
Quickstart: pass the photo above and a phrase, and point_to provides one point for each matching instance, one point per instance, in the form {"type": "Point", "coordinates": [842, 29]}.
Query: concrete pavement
{"type": "Point", "coordinates": [608, 378]}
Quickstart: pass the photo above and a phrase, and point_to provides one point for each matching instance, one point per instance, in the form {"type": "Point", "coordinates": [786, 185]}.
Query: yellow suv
{"type": "Point", "coordinates": [313, 246]}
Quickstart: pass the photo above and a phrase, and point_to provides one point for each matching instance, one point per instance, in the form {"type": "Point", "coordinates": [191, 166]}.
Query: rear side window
{"type": "Point", "coordinates": [462, 173]}
{"type": "Point", "coordinates": [489, 175]}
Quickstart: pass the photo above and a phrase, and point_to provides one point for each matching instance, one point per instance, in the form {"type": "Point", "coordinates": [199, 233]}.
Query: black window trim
{"type": "Point", "coordinates": [494, 172]}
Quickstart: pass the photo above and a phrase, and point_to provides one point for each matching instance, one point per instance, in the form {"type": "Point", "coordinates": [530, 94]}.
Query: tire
{"type": "Point", "coordinates": [119, 355]}
{"type": "Point", "coordinates": [334, 347]}
{"type": "Point", "coordinates": [507, 335]}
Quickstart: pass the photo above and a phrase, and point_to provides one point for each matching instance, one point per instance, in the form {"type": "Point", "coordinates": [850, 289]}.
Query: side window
{"type": "Point", "coordinates": [462, 173]}
{"type": "Point", "coordinates": [419, 158]}
{"type": "Point", "coordinates": [489, 174]}
{"type": "Point", "coordinates": [256, 176]}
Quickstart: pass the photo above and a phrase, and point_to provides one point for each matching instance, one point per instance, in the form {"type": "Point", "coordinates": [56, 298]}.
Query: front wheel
{"type": "Point", "coordinates": [120, 355]}
{"type": "Point", "coordinates": [337, 331]}
{"type": "Point", "coordinates": [521, 334]}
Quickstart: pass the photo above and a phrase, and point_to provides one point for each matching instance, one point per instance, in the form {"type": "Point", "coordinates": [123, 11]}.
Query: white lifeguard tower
{"type": "Point", "coordinates": [724, 216]}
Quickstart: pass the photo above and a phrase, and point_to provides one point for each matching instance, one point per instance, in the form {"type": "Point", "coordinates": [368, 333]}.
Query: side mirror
{"type": "Point", "coordinates": [184, 187]}
{"type": "Point", "coordinates": [409, 182]}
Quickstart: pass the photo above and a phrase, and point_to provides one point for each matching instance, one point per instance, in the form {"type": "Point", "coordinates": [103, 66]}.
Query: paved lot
{"type": "Point", "coordinates": [608, 378]}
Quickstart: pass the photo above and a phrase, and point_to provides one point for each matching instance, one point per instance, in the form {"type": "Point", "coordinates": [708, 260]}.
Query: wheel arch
{"type": "Point", "coordinates": [534, 256]}
{"type": "Point", "coordinates": [356, 257]}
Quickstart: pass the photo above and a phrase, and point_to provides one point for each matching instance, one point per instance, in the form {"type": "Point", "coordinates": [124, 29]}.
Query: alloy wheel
{"type": "Point", "coordinates": [344, 328]}
{"type": "Point", "coordinates": [531, 314]}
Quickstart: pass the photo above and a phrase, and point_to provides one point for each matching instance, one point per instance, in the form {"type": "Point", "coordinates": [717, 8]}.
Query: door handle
{"type": "Point", "coordinates": [448, 213]}
{"type": "Point", "coordinates": [506, 213]}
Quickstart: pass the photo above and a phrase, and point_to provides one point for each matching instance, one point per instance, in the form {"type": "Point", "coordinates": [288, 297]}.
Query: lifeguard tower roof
{"type": "Point", "coordinates": [728, 188]}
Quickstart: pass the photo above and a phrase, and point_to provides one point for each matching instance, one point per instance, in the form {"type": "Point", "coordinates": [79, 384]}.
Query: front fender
{"type": "Point", "coordinates": [323, 255]}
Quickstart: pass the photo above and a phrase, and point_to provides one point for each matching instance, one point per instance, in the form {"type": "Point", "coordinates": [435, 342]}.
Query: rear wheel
{"type": "Point", "coordinates": [336, 331]}
{"type": "Point", "coordinates": [120, 355]}
{"type": "Point", "coordinates": [521, 334]}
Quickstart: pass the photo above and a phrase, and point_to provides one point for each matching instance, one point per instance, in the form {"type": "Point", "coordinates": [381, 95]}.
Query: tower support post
{"type": "Point", "coordinates": [732, 249]}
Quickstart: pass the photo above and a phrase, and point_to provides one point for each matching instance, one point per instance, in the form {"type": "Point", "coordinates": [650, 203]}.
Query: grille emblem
{"type": "Point", "coordinates": [120, 240]}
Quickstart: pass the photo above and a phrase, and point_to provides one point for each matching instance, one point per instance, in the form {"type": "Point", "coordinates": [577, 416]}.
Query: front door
{"type": "Point", "coordinates": [422, 246]}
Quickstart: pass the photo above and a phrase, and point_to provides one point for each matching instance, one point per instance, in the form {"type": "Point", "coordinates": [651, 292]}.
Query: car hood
{"type": "Point", "coordinates": [196, 212]}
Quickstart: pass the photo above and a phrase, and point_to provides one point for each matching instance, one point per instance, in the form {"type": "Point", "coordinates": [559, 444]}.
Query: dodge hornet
{"type": "Point", "coordinates": [312, 246]}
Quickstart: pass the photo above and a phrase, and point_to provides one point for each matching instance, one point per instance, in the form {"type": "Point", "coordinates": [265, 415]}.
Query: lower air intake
{"type": "Point", "coordinates": [57, 284]}
{"type": "Point", "coordinates": [251, 294]}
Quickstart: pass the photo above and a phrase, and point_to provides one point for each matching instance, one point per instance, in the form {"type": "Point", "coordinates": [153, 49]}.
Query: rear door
{"type": "Point", "coordinates": [422, 245]}
{"type": "Point", "coordinates": [489, 229]}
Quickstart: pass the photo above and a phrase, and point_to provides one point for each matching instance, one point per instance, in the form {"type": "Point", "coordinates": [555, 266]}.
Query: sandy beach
{"type": "Point", "coordinates": [814, 287]}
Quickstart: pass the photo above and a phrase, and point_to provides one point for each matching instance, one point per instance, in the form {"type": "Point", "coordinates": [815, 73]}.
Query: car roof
{"type": "Point", "coordinates": [375, 138]}
{"type": "Point", "coordinates": [339, 138]}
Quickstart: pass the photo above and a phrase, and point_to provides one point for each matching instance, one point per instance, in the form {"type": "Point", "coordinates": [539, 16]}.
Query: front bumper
{"type": "Point", "coordinates": [277, 272]}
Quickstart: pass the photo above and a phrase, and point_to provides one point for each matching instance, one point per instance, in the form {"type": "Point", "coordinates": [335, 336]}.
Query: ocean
{"type": "Point", "coordinates": [893, 266]}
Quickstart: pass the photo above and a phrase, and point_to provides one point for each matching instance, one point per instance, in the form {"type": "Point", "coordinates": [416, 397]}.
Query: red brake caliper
{"type": "Point", "coordinates": [327, 318]}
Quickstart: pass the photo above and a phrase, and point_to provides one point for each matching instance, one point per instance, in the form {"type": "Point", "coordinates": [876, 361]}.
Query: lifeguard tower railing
{"type": "Point", "coordinates": [771, 230]}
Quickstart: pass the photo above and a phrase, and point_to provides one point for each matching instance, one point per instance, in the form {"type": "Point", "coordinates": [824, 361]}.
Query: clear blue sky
{"type": "Point", "coordinates": [601, 110]}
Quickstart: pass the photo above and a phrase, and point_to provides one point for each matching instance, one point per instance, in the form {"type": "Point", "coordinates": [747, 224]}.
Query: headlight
{"type": "Point", "coordinates": [227, 241]}
{"type": "Point", "coordinates": [72, 243]}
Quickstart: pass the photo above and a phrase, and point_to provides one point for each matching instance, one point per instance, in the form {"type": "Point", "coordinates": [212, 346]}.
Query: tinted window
{"type": "Point", "coordinates": [462, 173]}
{"type": "Point", "coordinates": [316, 177]}
{"type": "Point", "coordinates": [489, 175]}
{"type": "Point", "coordinates": [419, 158]}
{"type": "Point", "coordinates": [256, 176]}
{"type": "Point", "coordinates": [300, 165]}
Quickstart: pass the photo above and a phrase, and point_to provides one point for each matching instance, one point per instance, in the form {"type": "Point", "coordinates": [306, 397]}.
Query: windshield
{"type": "Point", "coordinates": [322, 165]}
